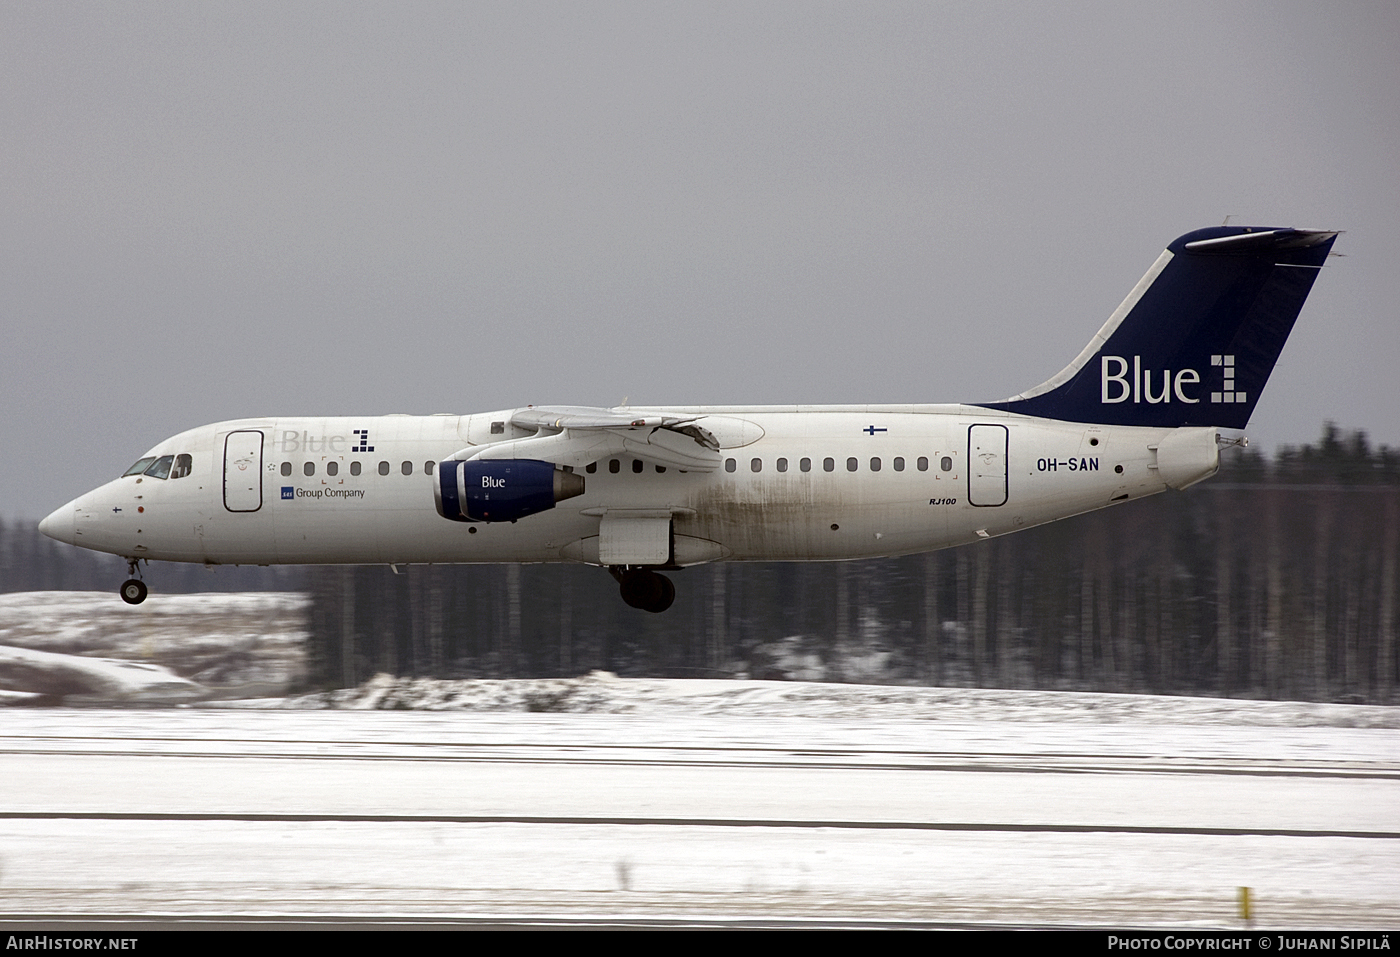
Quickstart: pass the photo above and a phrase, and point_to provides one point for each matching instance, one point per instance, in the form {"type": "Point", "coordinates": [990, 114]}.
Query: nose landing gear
{"type": "Point", "coordinates": [133, 590]}
{"type": "Point", "coordinates": [645, 589]}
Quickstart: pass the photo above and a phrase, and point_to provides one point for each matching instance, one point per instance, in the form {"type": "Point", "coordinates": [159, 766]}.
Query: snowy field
{"type": "Point", "coordinates": [677, 811]}
{"type": "Point", "coordinates": [598, 798]}
{"type": "Point", "coordinates": [227, 644]}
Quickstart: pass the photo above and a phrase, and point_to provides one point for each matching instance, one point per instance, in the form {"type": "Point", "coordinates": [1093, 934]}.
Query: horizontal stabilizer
{"type": "Point", "coordinates": [1253, 243]}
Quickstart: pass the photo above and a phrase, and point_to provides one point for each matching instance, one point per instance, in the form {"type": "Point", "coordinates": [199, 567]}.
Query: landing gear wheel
{"type": "Point", "coordinates": [133, 591]}
{"type": "Point", "coordinates": [640, 588]}
{"type": "Point", "coordinates": [647, 590]}
{"type": "Point", "coordinates": [668, 595]}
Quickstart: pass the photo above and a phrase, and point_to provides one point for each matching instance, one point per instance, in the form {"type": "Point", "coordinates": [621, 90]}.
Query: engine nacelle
{"type": "Point", "coordinates": [501, 490]}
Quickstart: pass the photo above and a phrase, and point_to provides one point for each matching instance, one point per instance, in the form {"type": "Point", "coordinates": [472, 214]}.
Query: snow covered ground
{"type": "Point", "coordinates": [604, 693]}
{"type": "Point", "coordinates": [600, 797]}
{"type": "Point", "coordinates": [76, 678]}
{"type": "Point", "coordinates": [682, 803]}
{"type": "Point", "coordinates": [229, 644]}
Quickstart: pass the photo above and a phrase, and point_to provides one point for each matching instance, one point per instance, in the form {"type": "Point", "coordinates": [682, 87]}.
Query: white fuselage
{"type": "Point", "coordinates": [261, 491]}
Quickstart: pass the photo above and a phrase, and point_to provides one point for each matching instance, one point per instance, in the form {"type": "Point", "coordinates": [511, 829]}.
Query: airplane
{"type": "Point", "coordinates": [640, 491]}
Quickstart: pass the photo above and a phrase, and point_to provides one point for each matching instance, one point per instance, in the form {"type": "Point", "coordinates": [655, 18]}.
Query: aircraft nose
{"type": "Point", "coordinates": [62, 524]}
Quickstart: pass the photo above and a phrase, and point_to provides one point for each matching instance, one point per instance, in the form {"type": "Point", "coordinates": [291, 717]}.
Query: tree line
{"type": "Point", "coordinates": [1275, 579]}
{"type": "Point", "coordinates": [30, 561]}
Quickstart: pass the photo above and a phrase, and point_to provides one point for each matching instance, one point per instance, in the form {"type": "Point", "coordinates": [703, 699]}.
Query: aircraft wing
{"type": "Point", "coordinates": [576, 436]}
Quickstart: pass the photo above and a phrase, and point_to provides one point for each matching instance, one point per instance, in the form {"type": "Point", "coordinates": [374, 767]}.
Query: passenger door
{"type": "Point", "coordinates": [243, 471]}
{"type": "Point", "coordinates": [986, 465]}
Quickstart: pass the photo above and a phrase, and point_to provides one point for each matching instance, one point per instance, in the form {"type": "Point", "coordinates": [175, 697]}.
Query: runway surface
{"type": "Point", "coordinates": [632, 820]}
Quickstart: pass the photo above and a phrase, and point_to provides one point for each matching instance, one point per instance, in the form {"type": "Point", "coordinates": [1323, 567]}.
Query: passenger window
{"type": "Point", "coordinates": [332, 468]}
{"type": "Point", "coordinates": [782, 465]}
{"type": "Point", "coordinates": [614, 466]}
{"type": "Point", "coordinates": [161, 468]}
{"type": "Point", "coordinates": [875, 465]}
{"type": "Point", "coordinates": [805, 465]}
{"type": "Point", "coordinates": [286, 468]}
{"type": "Point", "coordinates": [428, 467]}
{"type": "Point", "coordinates": [923, 463]}
{"type": "Point", "coordinates": [309, 468]}
{"type": "Point", "coordinates": [406, 468]}
{"type": "Point", "coordinates": [139, 466]}
{"type": "Point", "coordinates": [637, 466]}
{"type": "Point", "coordinates": [591, 467]}
{"type": "Point", "coordinates": [756, 465]}
{"type": "Point", "coordinates": [852, 464]}
{"type": "Point", "coordinates": [899, 463]}
{"type": "Point", "coordinates": [829, 465]}
{"type": "Point", "coordinates": [354, 468]}
{"type": "Point", "coordinates": [498, 428]}
{"type": "Point", "coordinates": [383, 468]}
{"type": "Point", "coordinates": [660, 469]}
{"type": "Point", "coordinates": [730, 465]}
{"type": "Point", "coordinates": [184, 465]}
{"type": "Point", "coordinates": [947, 464]}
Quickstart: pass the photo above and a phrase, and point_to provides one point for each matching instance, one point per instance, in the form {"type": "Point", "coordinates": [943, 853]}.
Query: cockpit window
{"type": "Point", "coordinates": [184, 464]}
{"type": "Point", "coordinates": [140, 466]}
{"type": "Point", "coordinates": [161, 468]}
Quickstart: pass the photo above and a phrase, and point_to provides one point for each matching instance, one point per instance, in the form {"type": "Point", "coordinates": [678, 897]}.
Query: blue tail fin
{"type": "Point", "coordinates": [1196, 339]}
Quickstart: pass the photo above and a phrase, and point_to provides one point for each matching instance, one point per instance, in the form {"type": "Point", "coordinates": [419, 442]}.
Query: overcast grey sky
{"type": "Point", "coordinates": [211, 211]}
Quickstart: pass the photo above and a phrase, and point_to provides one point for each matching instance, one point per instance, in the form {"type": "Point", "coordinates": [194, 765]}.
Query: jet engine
{"type": "Point", "coordinates": [501, 490]}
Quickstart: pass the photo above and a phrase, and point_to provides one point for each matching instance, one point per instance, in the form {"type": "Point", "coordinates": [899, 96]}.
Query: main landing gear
{"type": "Point", "coordinates": [133, 590]}
{"type": "Point", "coordinates": [645, 589]}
